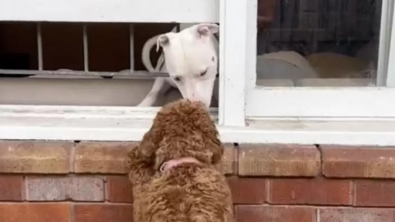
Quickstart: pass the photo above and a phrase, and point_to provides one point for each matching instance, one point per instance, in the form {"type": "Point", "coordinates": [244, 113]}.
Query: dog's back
{"type": "Point", "coordinates": [182, 149]}
{"type": "Point", "coordinates": [187, 193]}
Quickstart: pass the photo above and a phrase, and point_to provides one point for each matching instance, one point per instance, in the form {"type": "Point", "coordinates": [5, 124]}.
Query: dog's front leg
{"type": "Point", "coordinates": [159, 88]}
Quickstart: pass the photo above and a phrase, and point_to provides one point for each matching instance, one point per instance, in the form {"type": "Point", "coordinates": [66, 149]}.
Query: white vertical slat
{"type": "Point", "coordinates": [131, 38]}
{"type": "Point", "coordinates": [234, 49]}
{"type": "Point", "coordinates": [391, 58]}
{"type": "Point", "coordinates": [251, 54]}
{"type": "Point", "coordinates": [221, 82]}
{"type": "Point", "coordinates": [86, 48]}
{"type": "Point", "coordinates": [39, 47]}
{"type": "Point", "coordinates": [384, 42]}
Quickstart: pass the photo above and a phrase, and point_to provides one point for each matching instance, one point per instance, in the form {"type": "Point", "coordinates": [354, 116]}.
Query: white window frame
{"type": "Point", "coordinates": [321, 102]}
{"type": "Point", "coordinates": [247, 113]}
{"type": "Point", "coordinates": [117, 11]}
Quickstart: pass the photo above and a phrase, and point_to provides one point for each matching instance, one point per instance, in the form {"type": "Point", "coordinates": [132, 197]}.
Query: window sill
{"type": "Point", "coordinates": [130, 124]}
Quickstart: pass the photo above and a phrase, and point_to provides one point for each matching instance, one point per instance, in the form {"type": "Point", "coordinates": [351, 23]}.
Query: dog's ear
{"type": "Point", "coordinates": [149, 143]}
{"type": "Point", "coordinates": [206, 29]}
{"type": "Point", "coordinates": [210, 138]}
{"type": "Point", "coordinates": [139, 166]}
{"type": "Point", "coordinates": [163, 40]}
{"type": "Point", "coordinates": [217, 149]}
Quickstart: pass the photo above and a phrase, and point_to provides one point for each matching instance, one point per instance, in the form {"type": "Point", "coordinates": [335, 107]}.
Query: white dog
{"type": "Point", "coordinates": [191, 59]}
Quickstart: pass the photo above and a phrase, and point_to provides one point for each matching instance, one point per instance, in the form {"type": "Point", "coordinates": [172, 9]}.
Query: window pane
{"type": "Point", "coordinates": [318, 42]}
{"type": "Point", "coordinates": [18, 46]}
{"type": "Point", "coordinates": [64, 50]}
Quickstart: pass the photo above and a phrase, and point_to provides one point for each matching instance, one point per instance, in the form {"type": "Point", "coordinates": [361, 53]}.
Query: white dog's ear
{"type": "Point", "coordinates": [205, 29]}
{"type": "Point", "coordinates": [162, 41]}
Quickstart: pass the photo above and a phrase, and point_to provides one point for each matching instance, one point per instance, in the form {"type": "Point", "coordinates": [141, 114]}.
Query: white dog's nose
{"type": "Point", "coordinates": [195, 98]}
{"type": "Point", "coordinates": [205, 102]}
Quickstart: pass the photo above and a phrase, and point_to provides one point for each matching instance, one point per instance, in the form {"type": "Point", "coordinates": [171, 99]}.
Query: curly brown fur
{"type": "Point", "coordinates": [188, 192]}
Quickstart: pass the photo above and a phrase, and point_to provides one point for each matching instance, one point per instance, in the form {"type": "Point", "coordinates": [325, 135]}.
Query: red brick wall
{"type": "Point", "coordinates": [86, 182]}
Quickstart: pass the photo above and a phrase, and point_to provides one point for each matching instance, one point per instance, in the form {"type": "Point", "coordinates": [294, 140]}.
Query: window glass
{"type": "Point", "coordinates": [318, 42]}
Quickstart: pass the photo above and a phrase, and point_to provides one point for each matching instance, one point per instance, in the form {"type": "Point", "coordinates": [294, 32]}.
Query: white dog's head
{"type": "Point", "coordinates": [191, 58]}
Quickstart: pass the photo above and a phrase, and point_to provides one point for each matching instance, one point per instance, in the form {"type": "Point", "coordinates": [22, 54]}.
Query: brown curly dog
{"type": "Point", "coordinates": [173, 170]}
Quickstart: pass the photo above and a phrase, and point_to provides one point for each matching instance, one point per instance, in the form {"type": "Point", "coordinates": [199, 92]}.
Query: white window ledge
{"type": "Point", "coordinates": [130, 124]}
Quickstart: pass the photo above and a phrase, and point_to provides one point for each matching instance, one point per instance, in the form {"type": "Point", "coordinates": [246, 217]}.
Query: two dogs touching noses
{"type": "Point", "coordinates": [174, 168]}
{"type": "Point", "coordinates": [191, 59]}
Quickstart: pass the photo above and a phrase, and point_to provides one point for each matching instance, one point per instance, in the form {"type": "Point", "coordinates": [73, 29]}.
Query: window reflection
{"type": "Point", "coordinates": [317, 42]}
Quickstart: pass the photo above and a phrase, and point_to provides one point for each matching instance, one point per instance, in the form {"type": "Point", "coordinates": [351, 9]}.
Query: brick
{"type": "Point", "coordinates": [103, 213]}
{"type": "Point", "coordinates": [33, 212]}
{"type": "Point", "coordinates": [65, 188]}
{"type": "Point", "coordinates": [109, 158]}
{"type": "Point", "coordinates": [358, 162]}
{"type": "Point", "coordinates": [355, 215]}
{"type": "Point", "coordinates": [375, 193]}
{"type": "Point", "coordinates": [35, 157]}
{"type": "Point", "coordinates": [228, 159]}
{"type": "Point", "coordinates": [248, 190]}
{"type": "Point", "coordinates": [11, 188]}
{"type": "Point", "coordinates": [278, 160]}
{"type": "Point", "coordinates": [310, 191]}
{"type": "Point", "coordinates": [250, 213]}
{"type": "Point", "coordinates": [119, 189]}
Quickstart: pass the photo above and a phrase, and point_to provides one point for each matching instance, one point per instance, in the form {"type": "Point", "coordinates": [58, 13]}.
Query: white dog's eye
{"type": "Point", "coordinates": [203, 73]}
{"type": "Point", "coordinates": [177, 78]}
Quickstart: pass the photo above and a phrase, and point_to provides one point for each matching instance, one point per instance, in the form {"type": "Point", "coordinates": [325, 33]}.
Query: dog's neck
{"type": "Point", "coordinates": [176, 162]}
